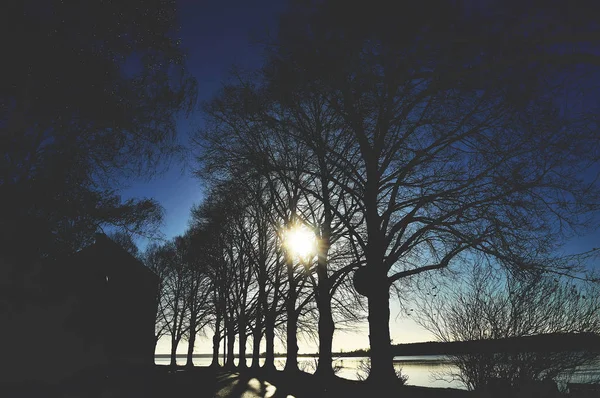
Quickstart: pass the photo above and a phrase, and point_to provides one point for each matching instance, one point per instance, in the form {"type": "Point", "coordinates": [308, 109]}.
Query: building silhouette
{"type": "Point", "coordinates": [91, 311]}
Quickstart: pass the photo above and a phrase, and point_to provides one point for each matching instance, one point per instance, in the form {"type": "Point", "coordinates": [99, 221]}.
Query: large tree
{"type": "Point", "coordinates": [90, 93]}
{"type": "Point", "coordinates": [464, 142]}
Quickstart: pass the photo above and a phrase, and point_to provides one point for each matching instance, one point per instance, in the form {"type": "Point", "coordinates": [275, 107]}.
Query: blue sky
{"type": "Point", "coordinates": [216, 35]}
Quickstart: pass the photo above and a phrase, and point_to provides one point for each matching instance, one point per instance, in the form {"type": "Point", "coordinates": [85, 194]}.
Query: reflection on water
{"type": "Point", "coordinates": [425, 370]}
{"type": "Point", "coordinates": [181, 360]}
{"type": "Point", "coordinates": [421, 370]}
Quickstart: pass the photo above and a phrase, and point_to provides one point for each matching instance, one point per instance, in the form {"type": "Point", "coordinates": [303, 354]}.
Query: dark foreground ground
{"type": "Point", "coordinates": [163, 382]}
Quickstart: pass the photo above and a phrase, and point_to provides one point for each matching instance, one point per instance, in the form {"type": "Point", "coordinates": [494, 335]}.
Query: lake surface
{"type": "Point", "coordinates": [423, 370]}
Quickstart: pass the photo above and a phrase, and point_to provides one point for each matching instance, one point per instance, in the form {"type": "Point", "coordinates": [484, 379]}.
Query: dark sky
{"type": "Point", "coordinates": [216, 35]}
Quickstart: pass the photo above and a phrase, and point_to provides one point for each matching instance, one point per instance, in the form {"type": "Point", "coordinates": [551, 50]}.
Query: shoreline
{"type": "Point", "coordinates": [160, 381]}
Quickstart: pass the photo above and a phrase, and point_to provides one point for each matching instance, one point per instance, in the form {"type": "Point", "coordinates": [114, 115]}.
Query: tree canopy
{"type": "Point", "coordinates": [442, 135]}
{"type": "Point", "coordinates": [90, 94]}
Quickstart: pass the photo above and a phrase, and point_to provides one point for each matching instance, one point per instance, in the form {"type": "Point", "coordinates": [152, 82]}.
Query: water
{"type": "Point", "coordinates": [423, 370]}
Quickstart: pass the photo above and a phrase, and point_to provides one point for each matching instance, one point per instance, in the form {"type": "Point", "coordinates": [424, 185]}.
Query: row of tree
{"type": "Point", "coordinates": [408, 144]}
{"type": "Point", "coordinates": [230, 273]}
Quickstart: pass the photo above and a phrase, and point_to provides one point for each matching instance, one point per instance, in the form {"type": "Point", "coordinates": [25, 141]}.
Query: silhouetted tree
{"type": "Point", "coordinates": [231, 130]}
{"type": "Point", "coordinates": [152, 258]}
{"type": "Point", "coordinates": [463, 146]}
{"type": "Point", "coordinates": [484, 304]}
{"type": "Point", "coordinates": [175, 303]}
{"type": "Point", "coordinates": [90, 93]}
{"type": "Point", "coordinates": [426, 144]}
{"type": "Point", "coordinates": [319, 131]}
{"type": "Point", "coordinates": [262, 252]}
{"type": "Point", "coordinates": [198, 286]}
{"type": "Point", "coordinates": [211, 216]}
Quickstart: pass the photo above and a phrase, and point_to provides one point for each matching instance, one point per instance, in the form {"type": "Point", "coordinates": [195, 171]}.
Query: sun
{"type": "Point", "coordinates": [300, 241]}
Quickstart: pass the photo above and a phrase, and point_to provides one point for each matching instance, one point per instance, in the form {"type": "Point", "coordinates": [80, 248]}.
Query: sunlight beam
{"type": "Point", "coordinates": [300, 241]}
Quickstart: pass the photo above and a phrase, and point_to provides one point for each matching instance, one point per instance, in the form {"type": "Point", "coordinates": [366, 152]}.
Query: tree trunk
{"type": "Point", "coordinates": [215, 352]}
{"type": "Point", "coordinates": [326, 330]}
{"type": "Point", "coordinates": [242, 351]}
{"type": "Point", "coordinates": [191, 341]}
{"type": "Point", "coordinates": [291, 363]}
{"type": "Point", "coordinates": [229, 363]}
{"type": "Point", "coordinates": [230, 332]}
{"type": "Point", "coordinates": [154, 352]}
{"type": "Point", "coordinates": [256, 336]}
{"type": "Point", "coordinates": [224, 347]}
{"type": "Point", "coordinates": [190, 351]}
{"type": "Point", "coordinates": [270, 341]}
{"type": "Point", "coordinates": [382, 365]}
{"type": "Point", "coordinates": [257, 332]}
{"type": "Point", "coordinates": [270, 319]}
{"type": "Point", "coordinates": [174, 344]}
{"type": "Point", "coordinates": [323, 297]}
{"type": "Point", "coordinates": [242, 341]}
{"type": "Point", "coordinates": [216, 341]}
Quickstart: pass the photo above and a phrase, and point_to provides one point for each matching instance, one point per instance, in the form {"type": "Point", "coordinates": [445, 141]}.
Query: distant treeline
{"type": "Point", "coordinates": [539, 343]}
{"type": "Point", "coordinates": [357, 353]}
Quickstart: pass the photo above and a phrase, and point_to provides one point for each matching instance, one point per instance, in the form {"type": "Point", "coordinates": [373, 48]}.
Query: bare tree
{"type": "Point", "coordinates": [209, 216]}
{"type": "Point", "coordinates": [174, 306]}
{"type": "Point", "coordinates": [260, 152]}
{"type": "Point", "coordinates": [462, 148]}
{"type": "Point", "coordinates": [153, 260]}
{"type": "Point", "coordinates": [198, 286]}
{"type": "Point", "coordinates": [486, 304]}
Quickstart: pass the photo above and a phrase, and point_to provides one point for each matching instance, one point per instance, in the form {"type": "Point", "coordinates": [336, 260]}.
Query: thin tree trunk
{"type": "Point", "coordinates": [256, 337]}
{"type": "Point", "coordinates": [154, 351]}
{"type": "Point", "coordinates": [224, 347]}
{"type": "Point", "coordinates": [257, 332]}
{"type": "Point", "coordinates": [291, 363]}
{"type": "Point", "coordinates": [174, 340]}
{"type": "Point", "coordinates": [230, 331]}
{"type": "Point", "coordinates": [242, 338]}
{"type": "Point", "coordinates": [229, 363]}
{"type": "Point", "coordinates": [190, 351]}
{"type": "Point", "coordinates": [270, 325]}
{"type": "Point", "coordinates": [270, 341]}
{"type": "Point", "coordinates": [215, 353]}
{"type": "Point", "coordinates": [323, 297]}
{"type": "Point", "coordinates": [216, 341]}
{"type": "Point", "coordinates": [242, 347]}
